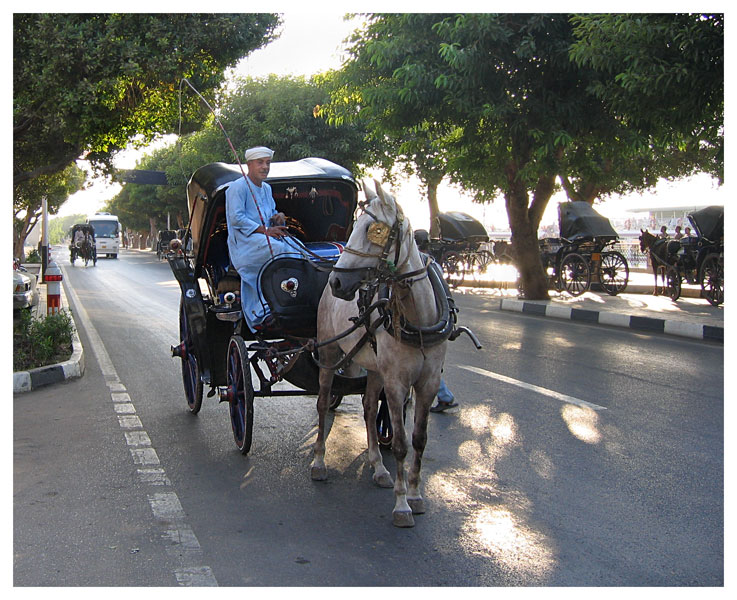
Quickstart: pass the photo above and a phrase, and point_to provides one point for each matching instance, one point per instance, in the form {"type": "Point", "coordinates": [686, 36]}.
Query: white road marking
{"type": "Point", "coordinates": [166, 507]}
{"type": "Point", "coordinates": [534, 388]}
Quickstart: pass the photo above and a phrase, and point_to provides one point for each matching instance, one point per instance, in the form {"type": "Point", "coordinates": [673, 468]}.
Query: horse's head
{"type": "Point", "coordinates": [379, 244]}
{"type": "Point", "coordinates": [646, 240]}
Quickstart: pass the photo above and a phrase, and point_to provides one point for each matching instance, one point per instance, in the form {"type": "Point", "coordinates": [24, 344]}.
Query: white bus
{"type": "Point", "coordinates": [107, 234]}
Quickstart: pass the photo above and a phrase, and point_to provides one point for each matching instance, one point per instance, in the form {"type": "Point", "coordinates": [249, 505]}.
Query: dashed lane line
{"type": "Point", "coordinates": [181, 541]}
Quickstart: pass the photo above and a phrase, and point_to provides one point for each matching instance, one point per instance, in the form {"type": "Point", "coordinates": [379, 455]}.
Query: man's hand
{"type": "Point", "coordinates": [277, 231]}
{"type": "Point", "coordinates": [279, 219]}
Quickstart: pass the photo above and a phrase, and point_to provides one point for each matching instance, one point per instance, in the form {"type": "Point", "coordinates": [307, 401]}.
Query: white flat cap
{"type": "Point", "coordinates": [258, 152]}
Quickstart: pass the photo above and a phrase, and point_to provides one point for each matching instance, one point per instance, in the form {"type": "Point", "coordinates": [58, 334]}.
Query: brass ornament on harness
{"type": "Point", "coordinates": [378, 233]}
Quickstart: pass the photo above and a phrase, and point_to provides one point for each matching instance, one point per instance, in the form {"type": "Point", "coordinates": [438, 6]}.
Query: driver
{"type": "Point", "coordinates": [254, 238]}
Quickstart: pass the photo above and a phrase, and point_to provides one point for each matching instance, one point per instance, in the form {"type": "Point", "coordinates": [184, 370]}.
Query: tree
{"type": "Point", "coordinates": [91, 83]}
{"type": "Point", "coordinates": [28, 201]}
{"type": "Point", "coordinates": [661, 74]}
{"type": "Point", "coordinates": [368, 91]}
{"type": "Point", "coordinates": [279, 112]}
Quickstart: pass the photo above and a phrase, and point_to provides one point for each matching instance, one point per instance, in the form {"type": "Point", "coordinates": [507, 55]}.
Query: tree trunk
{"type": "Point", "coordinates": [524, 220]}
{"type": "Point", "coordinates": [154, 232]}
{"type": "Point", "coordinates": [432, 199]}
{"type": "Point", "coordinates": [20, 234]}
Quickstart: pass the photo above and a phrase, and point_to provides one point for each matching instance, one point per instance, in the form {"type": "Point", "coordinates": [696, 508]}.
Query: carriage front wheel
{"type": "Point", "coordinates": [454, 268]}
{"type": "Point", "coordinates": [575, 274]}
{"type": "Point", "coordinates": [239, 393]}
{"type": "Point", "coordinates": [614, 272]}
{"type": "Point", "coordinates": [712, 279]}
{"type": "Point", "coordinates": [190, 368]}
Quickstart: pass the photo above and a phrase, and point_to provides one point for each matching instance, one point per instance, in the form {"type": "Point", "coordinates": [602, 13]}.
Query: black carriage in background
{"type": "Point", "coordinates": [583, 252]}
{"type": "Point", "coordinates": [84, 249]}
{"type": "Point", "coordinates": [461, 250]}
{"type": "Point", "coordinates": [164, 237]}
{"type": "Point", "coordinates": [699, 259]}
{"type": "Point", "coordinates": [217, 349]}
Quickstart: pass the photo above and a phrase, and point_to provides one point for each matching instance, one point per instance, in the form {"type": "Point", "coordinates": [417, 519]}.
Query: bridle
{"type": "Point", "coordinates": [382, 234]}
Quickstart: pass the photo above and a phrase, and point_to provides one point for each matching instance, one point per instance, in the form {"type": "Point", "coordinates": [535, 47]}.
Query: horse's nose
{"type": "Point", "coordinates": [340, 291]}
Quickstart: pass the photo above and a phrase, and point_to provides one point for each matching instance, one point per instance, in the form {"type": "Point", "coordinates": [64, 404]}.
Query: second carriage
{"type": "Point", "coordinates": [584, 253]}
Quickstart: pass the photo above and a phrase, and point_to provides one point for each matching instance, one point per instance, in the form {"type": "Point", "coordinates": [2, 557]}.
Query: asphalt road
{"type": "Point", "coordinates": [582, 456]}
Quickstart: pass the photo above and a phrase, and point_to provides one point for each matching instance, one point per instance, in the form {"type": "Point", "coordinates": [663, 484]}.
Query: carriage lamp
{"type": "Point", "coordinates": [228, 298]}
{"type": "Point", "coordinates": [175, 244]}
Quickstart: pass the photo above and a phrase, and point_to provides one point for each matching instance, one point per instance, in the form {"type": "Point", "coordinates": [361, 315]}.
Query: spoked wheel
{"type": "Point", "coordinates": [673, 283]}
{"type": "Point", "coordinates": [190, 369]}
{"type": "Point", "coordinates": [575, 275]}
{"type": "Point", "coordinates": [384, 421]}
{"type": "Point", "coordinates": [335, 400]}
{"type": "Point", "coordinates": [614, 272]}
{"type": "Point", "coordinates": [239, 393]}
{"type": "Point", "coordinates": [454, 270]}
{"type": "Point", "coordinates": [712, 279]}
{"type": "Point", "coordinates": [480, 262]}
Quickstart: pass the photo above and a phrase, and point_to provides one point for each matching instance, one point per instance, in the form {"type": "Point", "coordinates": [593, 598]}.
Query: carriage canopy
{"type": "Point", "coordinates": [709, 222]}
{"type": "Point", "coordinates": [579, 220]}
{"type": "Point", "coordinates": [319, 196]}
{"type": "Point", "coordinates": [458, 226]}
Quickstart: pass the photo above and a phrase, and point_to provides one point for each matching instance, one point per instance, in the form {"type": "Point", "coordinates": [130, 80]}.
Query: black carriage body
{"type": "Point", "coordinates": [319, 199]}
{"type": "Point", "coordinates": [578, 252]}
{"type": "Point", "coordinates": [460, 227]}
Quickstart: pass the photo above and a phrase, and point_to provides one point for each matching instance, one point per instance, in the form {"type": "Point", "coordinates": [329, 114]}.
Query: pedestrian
{"type": "Point", "coordinates": [678, 234]}
{"type": "Point", "coordinates": [446, 399]}
{"type": "Point", "coordinates": [256, 232]}
{"type": "Point", "coordinates": [663, 232]}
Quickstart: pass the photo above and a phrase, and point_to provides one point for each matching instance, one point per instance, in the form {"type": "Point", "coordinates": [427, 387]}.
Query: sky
{"type": "Point", "coordinates": [311, 42]}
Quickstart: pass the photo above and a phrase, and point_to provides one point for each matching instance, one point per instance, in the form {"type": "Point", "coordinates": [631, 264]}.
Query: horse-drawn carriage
{"type": "Point", "coordinates": [582, 253]}
{"type": "Point", "coordinates": [82, 244]}
{"type": "Point", "coordinates": [695, 259]}
{"type": "Point", "coordinates": [461, 249]}
{"type": "Point", "coordinates": [164, 237]}
{"type": "Point", "coordinates": [218, 349]}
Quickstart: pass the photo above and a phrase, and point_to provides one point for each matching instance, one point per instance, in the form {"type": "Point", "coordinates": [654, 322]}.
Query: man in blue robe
{"type": "Point", "coordinates": [256, 231]}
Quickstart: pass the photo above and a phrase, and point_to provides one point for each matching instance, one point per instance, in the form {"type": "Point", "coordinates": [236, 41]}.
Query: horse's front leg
{"type": "Point", "coordinates": [425, 392]}
{"type": "Point", "coordinates": [318, 470]}
{"type": "Point", "coordinates": [381, 475]}
{"type": "Point", "coordinates": [402, 513]}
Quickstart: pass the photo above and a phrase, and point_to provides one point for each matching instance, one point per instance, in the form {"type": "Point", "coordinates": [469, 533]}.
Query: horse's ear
{"type": "Point", "coordinates": [379, 190]}
{"type": "Point", "coordinates": [370, 194]}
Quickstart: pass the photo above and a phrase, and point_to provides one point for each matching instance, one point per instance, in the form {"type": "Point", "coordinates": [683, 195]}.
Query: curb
{"type": "Point", "coordinates": [25, 381]}
{"type": "Point", "coordinates": [648, 324]}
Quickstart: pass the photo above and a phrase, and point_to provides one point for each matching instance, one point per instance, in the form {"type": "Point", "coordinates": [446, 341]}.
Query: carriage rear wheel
{"type": "Point", "coordinates": [454, 269]}
{"type": "Point", "coordinates": [614, 272]}
{"type": "Point", "coordinates": [384, 430]}
{"type": "Point", "coordinates": [575, 274]}
{"type": "Point", "coordinates": [712, 279]}
{"type": "Point", "coordinates": [190, 368]}
{"type": "Point", "coordinates": [239, 393]}
{"type": "Point", "coordinates": [673, 283]}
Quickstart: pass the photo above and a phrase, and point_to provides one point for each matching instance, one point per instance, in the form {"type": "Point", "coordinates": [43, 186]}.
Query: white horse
{"type": "Point", "coordinates": [382, 250]}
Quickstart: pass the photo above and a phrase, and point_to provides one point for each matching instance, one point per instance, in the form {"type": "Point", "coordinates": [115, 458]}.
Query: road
{"type": "Point", "coordinates": [582, 456]}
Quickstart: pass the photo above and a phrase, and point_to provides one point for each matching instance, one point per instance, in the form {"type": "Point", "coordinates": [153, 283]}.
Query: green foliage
{"type": "Point", "coordinates": [40, 342]}
{"type": "Point", "coordinates": [276, 112]}
{"type": "Point", "coordinates": [92, 83]}
{"type": "Point", "coordinates": [33, 256]}
{"type": "Point", "coordinates": [663, 75]}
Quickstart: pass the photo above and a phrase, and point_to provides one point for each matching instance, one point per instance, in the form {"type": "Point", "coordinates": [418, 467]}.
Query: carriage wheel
{"type": "Point", "coordinates": [384, 428]}
{"type": "Point", "coordinates": [575, 275]}
{"type": "Point", "coordinates": [335, 400]}
{"type": "Point", "coordinates": [712, 279]}
{"type": "Point", "coordinates": [239, 393]}
{"type": "Point", "coordinates": [190, 367]}
{"type": "Point", "coordinates": [614, 273]}
{"type": "Point", "coordinates": [453, 268]}
{"type": "Point", "coordinates": [673, 283]}
{"type": "Point", "coordinates": [480, 262]}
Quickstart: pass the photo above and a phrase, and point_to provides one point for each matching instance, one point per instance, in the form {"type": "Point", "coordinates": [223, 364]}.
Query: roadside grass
{"type": "Point", "coordinates": [41, 342]}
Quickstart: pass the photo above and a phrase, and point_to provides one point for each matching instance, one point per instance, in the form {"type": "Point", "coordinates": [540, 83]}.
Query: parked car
{"type": "Point", "coordinates": [25, 292]}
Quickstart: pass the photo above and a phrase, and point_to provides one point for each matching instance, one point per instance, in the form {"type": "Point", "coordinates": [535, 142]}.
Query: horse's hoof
{"type": "Point", "coordinates": [403, 518]}
{"type": "Point", "coordinates": [383, 480]}
{"type": "Point", "coordinates": [417, 505]}
{"type": "Point", "coordinates": [319, 473]}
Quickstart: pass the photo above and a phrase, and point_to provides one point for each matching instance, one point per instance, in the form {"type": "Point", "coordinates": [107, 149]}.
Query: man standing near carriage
{"type": "Point", "coordinates": [256, 231]}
